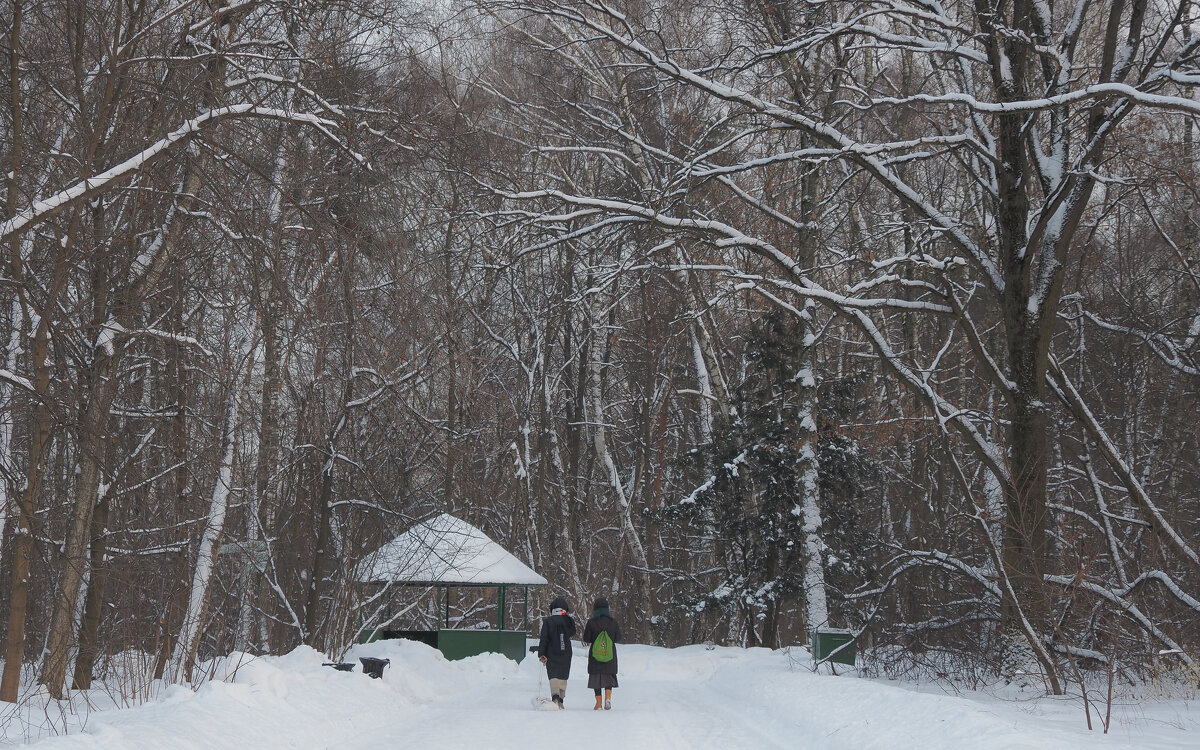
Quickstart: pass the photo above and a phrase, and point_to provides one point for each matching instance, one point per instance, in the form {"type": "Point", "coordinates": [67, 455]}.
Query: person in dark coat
{"type": "Point", "coordinates": [602, 675]}
{"type": "Point", "coordinates": [554, 648]}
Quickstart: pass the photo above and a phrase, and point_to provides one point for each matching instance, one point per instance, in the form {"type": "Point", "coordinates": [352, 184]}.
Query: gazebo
{"type": "Point", "coordinates": [445, 552]}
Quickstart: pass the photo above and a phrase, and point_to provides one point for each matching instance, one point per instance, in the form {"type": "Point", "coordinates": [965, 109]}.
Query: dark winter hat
{"type": "Point", "coordinates": [601, 603]}
{"type": "Point", "coordinates": [559, 603]}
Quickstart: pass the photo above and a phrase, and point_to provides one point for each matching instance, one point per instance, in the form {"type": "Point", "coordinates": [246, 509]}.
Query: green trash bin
{"type": "Point", "coordinates": [827, 640]}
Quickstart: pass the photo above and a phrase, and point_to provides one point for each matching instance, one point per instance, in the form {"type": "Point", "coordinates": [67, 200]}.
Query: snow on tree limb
{"type": "Point", "coordinates": [1128, 607]}
{"type": "Point", "coordinates": [43, 209]}
{"type": "Point", "coordinates": [859, 152]}
{"type": "Point", "coordinates": [1172, 354]}
{"type": "Point", "coordinates": [11, 377]}
{"type": "Point", "coordinates": [1070, 396]}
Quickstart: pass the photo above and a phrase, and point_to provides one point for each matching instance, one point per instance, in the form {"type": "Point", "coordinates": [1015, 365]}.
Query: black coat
{"type": "Point", "coordinates": [591, 632]}
{"type": "Point", "coordinates": [555, 643]}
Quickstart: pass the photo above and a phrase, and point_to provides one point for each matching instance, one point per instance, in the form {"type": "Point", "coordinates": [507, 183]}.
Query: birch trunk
{"type": "Point", "coordinates": [629, 532]}
{"type": "Point", "coordinates": [816, 604]}
{"type": "Point", "coordinates": [8, 414]}
{"type": "Point", "coordinates": [269, 299]}
{"type": "Point", "coordinates": [189, 638]}
{"type": "Point", "coordinates": [263, 510]}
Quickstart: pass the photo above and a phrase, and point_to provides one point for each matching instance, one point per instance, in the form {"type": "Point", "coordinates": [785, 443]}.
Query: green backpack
{"type": "Point", "coordinates": [602, 647]}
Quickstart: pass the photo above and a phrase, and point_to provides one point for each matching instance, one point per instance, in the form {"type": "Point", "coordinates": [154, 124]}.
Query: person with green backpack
{"type": "Point", "coordinates": [602, 634]}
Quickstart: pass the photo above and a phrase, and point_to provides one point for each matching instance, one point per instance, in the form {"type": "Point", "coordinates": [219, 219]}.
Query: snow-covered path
{"type": "Point", "coordinates": [645, 716]}
{"type": "Point", "coordinates": [689, 698]}
{"type": "Point", "coordinates": [667, 714]}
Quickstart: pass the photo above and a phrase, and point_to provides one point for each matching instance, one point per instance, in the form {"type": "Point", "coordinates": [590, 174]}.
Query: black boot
{"type": "Point", "coordinates": [558, 700]}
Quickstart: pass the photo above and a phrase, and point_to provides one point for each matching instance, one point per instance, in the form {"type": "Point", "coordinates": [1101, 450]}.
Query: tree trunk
{"type": "Point", "coordinates": [103, 389]}
{"type": "Point", "coordinates": [92, 444]}
{"type": "Point", "coordinates": [1026, 614]}
{"type": "Point", "coordinates": [8, 490]}
{"type": "Point", "coordinates": [179, 490]}
{"type": "Point", "coordinates": [93, 608]}
{"type": "Point", "coordinates": [816, 605]}
{"type": "Point", "coordinates": [172, 620]}
{"type": "Point", "coordinates": [271, 285]}
{"type": "Point", "coordinates": [189, 638]}
{"type": "Point", "coordinates": [22, 547]}
{"type": "Point", "coordinates": [14, 654]}
{"type": "Point", "coordinates": [320, 569]}
{"type": "Point", "coordinates": [629, 532]}
{"type": "Point", "coordinates": [267, 470]}
{"type": "Point", "coordinates": [770, 622]}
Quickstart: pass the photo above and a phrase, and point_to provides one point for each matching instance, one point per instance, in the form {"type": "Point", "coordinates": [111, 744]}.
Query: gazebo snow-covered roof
{"type": "Point", "coordinates": [446, 551]}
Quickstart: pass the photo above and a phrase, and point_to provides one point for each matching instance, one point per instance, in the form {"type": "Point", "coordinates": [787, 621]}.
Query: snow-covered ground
{"type": "Point", "coordinates": [689, 698]}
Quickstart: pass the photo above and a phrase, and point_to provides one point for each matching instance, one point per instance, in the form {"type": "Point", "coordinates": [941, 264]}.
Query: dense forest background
{"type": "Point", "coordinates": [756, 316]}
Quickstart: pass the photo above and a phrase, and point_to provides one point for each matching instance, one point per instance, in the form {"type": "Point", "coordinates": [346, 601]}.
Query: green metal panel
{"type": "Point", "coordinates": [825, 642]}
{"type": "Point", "coordinates": [459, 644]}
{"type": "Point", "coordinates": [513, 644]}
{"type": "Point", "coordinates": [369, 636]}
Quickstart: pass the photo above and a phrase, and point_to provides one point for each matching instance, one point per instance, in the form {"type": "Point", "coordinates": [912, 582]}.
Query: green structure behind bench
{"type": "Point", "coordinates": [459, 644]}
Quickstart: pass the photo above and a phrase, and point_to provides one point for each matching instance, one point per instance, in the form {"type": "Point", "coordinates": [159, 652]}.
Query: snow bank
{"type": "Point", "coordinates": [691, 697]}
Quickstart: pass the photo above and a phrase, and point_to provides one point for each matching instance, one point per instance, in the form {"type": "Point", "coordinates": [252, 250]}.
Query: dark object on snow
{"type": "Point", "coordinates": [601, 622]}
{"type": "Point", "coordinates": [341, 666]}
{"type": "Point", "coordinates": [555, 641]}
{"type": "Point", "coordinates": [533, 649]}
{"type": "Point", "coordinates": [833, 645]}
{"type": "Point", "coordinates": [374, 667]}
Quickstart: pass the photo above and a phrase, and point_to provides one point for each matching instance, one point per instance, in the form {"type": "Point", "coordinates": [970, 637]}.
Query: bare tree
{"type": "Point", "coordinates": [1027, 102]}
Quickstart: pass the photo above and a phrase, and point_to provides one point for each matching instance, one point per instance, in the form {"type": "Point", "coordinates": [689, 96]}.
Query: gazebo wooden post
{"type": "Point", "coordinates": [501, 593]}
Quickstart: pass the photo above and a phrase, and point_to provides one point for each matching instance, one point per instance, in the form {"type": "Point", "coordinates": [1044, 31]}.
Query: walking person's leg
{"type": "Point", "coordinates": [558, 691]}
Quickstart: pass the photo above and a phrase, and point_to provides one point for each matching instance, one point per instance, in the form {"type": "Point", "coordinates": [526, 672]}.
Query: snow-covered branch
{"type": "Point", "coordinates": [45, 208]}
